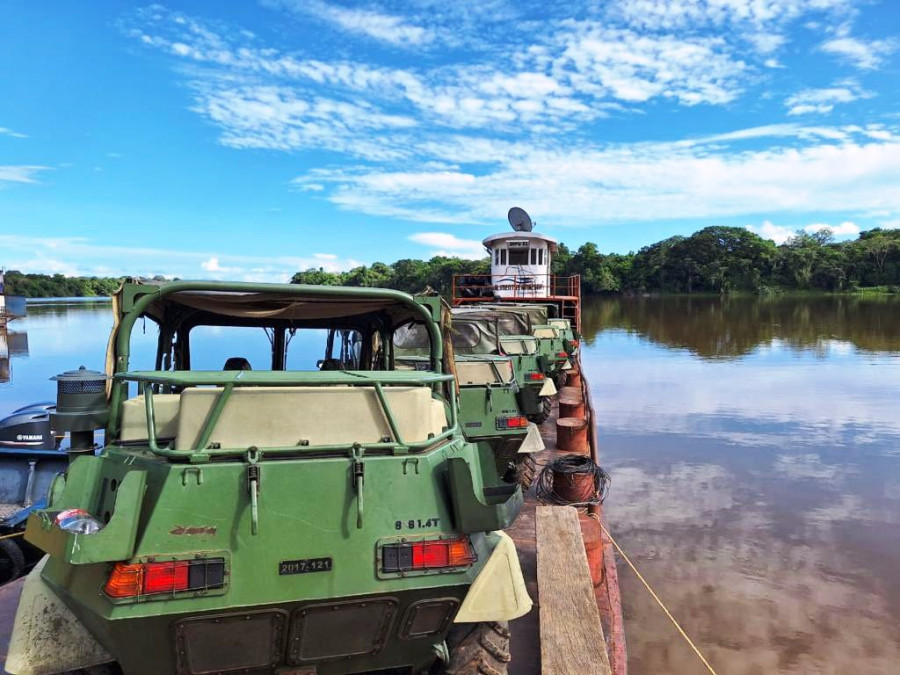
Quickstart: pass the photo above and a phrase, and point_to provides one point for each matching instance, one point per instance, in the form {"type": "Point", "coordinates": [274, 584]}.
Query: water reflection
{"type": "Point", "coordinates": [12, 344]}
{"type": "Point", "coordinates": [754, 452]}
{"type": "Point", "coordinates": [724, 327]}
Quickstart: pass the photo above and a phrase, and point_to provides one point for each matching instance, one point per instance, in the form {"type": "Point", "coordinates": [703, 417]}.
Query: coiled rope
{"type": "Point", "coordinates": [655, 596]}
{"type": "Point", "coordinates": [569, 466]}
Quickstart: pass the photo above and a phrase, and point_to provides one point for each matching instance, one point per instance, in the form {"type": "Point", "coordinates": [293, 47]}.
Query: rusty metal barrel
{"type": "Point", "coordinates": [571, 407]}
{"type": "Point", "coordinates": [574, 487]}
{"type": "Point", "coordinates": [571, 392]}
{"type": "Point", "coordinates": [573, 378]}
{"type": "Point", "coordinates": [572, 436]}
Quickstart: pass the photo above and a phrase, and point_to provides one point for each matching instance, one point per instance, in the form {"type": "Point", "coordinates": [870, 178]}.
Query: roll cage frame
{"type": "Point", "coordinates": [134, 300]}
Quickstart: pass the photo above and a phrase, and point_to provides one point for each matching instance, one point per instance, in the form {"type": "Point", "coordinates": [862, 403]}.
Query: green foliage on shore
{"type": "Point", "coordinates": [407, 275]}
{"type": "Point", "coordinates": [712, 260]}
{"type": "Point", "coordinates": [59, 286]}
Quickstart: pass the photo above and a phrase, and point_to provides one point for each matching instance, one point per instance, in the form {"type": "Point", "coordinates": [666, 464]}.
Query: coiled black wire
{"type": "Point", "coordinates": [542, 487]}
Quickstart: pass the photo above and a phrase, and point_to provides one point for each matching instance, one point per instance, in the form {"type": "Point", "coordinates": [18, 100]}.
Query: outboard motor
{"type": "Point", "coordinates": [81, 408]}
{"type": "Point", "coordinates": [28, 428]}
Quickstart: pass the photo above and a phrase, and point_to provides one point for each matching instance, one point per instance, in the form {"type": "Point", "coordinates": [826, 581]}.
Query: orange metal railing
{"type": "Point", "coordinates": [563, 290]}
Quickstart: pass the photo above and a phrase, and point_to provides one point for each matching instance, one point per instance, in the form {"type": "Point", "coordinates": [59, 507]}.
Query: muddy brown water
{"type": "Point", "coordinates": [755, 452]}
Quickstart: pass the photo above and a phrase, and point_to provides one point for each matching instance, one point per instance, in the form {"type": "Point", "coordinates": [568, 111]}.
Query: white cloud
{"type": "Point", "coordinates": [450, 245]}
{"type": "Point", "coordinates": [434, 143]}
{"type": "Point", "coordinates": [814, 169]}
{"type": "Point", "coordinates": [58, 255]}
{"type": "Point", "coordinates": [211, 265]}
{"type": "Point", "coordinates": [867, 55]}
{"type": "Point", "coordinates": [823, 100]}
{"type": "Point", "coordinates": [20, 174]}
{"type": "Point", "coordinates": [391, 29]}
{"type": "Point", "coordinates": [633, 67]}
{"type": "Point", "coordinates": [325, 256]}
{"type": "Point", "coordinates": [9, 132]}
{"type": "Point", "coordinates": [670, 15]}
{"type": "Point", "coordinates": [768, 230]}
{"type": "Point", "coordinates": [845, 229]}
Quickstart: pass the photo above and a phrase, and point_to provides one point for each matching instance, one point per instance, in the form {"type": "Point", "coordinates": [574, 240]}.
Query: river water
{"type": "Point", "coordinates": [754, 447]}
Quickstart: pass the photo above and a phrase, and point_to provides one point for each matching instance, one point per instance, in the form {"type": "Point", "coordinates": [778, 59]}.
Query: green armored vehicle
{"type": "Point", "coordinates": [568, 333]}
{"type": "Point", "coordinates": [534, 371]}
{"type": "Point", "coordinates": [279, 520]}
{"type": "Point", "coordinates": [495, 331]}
{"type": "Point", "coordinates": [490, 395]}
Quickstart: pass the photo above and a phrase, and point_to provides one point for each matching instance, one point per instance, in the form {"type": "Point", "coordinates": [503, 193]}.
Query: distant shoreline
{"type": "Point", "coordinates": [63, 299]}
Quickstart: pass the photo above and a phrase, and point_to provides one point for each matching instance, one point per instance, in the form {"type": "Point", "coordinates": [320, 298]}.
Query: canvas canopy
{"type": "Point", "coordinates": [537, 314]}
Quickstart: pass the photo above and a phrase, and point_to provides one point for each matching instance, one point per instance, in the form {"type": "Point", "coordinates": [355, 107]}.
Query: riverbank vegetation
{"type": "Point", "coordinates": [58, 285]}
{"type": "Point", "coordinates": [713, 260]}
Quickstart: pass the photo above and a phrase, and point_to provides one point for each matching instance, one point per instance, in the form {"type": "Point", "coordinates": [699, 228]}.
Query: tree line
{"type": "Point", "coordinates": [59, 285]}
{"type": "Point", "coordinates": [713, 260]}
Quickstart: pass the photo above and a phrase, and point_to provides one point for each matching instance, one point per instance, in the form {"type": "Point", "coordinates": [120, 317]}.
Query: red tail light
{"type": "Point", "coordinates": [511, 422]}
{"type": "Point", "coordinates": [534, 377]}
{"type": "Point", "coordinates": [427, 555]}
{"type": "Point", "coordinates": [562, 355]}
{"type": "Point", "coordinates": [133, 580]}
{"type": "Point", "coordinates": [166, 577]}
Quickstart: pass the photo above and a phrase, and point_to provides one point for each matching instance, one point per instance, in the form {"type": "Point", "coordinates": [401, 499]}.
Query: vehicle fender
{"type": "Point", "coordinates": [533, 442]}
{"type": "Point", "coordinates": [499, 592]}
{"type": "Point", "coordinates": [549, 389]}
{"type": "Point", "coordinates": [47, 637]}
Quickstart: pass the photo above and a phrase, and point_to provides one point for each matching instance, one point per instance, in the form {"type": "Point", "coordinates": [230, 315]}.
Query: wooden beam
{"type": "Point", "coordinates": [572, 641]}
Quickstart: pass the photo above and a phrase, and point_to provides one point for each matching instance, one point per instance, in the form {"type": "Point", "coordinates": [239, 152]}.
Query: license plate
{"type": "Point", "coordinates": [304, 566]}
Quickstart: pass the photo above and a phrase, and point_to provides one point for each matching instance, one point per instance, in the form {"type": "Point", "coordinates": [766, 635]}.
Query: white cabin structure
{"type": "Point", "coordinates": [521, 270]}
{"type": "Point", "coordinates": [520, 264]}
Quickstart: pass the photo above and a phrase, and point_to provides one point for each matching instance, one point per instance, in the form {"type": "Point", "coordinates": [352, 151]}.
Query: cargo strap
{"type": "Point", "coordinates": [358, 473]}
{"type": "Point", "coordinates": [253, 481]}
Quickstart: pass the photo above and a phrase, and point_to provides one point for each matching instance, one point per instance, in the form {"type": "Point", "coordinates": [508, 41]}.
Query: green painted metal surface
{"type": "Point", "coordinates": [266, 512]}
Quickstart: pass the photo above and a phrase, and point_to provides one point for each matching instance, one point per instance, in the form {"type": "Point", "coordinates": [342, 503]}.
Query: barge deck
{"type": "Point", "coordinates": [527, 636]}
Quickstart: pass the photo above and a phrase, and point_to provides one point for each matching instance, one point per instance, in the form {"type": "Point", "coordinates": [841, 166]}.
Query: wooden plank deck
{"type": "Point", "coordinates": [572, 641]}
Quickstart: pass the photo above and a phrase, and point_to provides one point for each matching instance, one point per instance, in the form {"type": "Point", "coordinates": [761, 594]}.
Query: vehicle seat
{"type": "Point", "coordinates": [237, 363]}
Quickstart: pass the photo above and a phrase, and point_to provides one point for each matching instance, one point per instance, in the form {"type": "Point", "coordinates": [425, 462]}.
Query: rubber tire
{"type": "Point", "coordinates": [477, 649]}
{"type": "Point", "coordinates": [544, 415]}
{"type": "Point", "coordinates": [560, 378]}
{"type": "Point", "coordinates": [13, 555]}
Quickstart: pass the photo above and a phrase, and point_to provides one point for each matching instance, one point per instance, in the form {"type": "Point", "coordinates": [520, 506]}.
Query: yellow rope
{"type": "Point", "coordinates": [655, 596]}
{"type": "Point", "coordinates": [10, 536]}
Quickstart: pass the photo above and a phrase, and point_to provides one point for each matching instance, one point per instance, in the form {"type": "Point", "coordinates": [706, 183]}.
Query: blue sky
{"type": "Point", "coordinates": [247, 140]}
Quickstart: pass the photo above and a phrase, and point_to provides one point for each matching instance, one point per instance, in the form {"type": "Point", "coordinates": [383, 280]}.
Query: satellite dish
{"type": "Point", "coordinates": [520, 221]}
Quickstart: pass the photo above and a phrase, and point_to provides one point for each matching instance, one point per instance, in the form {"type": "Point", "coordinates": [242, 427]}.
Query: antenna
{"type": "Point", "coordinates": [519, 219]}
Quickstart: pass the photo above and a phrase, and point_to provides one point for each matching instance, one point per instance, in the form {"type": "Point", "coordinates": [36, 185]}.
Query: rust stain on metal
{"type": "Point", "coordinates": [193, 531]}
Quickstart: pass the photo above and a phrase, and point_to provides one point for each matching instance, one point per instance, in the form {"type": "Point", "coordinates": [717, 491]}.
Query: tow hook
{"type": "Point", "coordinates": [253, 482]}
{"type": "Point", "coordinates": [359, 477]}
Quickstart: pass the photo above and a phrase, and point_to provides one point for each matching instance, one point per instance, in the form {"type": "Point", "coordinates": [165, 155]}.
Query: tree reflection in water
{"type": "Point", "coordinates": [725, 327]}
{"type": "Point", "coordinates": [754, 446]}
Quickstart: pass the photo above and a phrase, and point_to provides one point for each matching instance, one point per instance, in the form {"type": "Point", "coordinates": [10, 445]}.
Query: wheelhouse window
{"type": "Point", "coordinates": [518, 256]}
{"type": "Point", "coordinates": [502, 256]}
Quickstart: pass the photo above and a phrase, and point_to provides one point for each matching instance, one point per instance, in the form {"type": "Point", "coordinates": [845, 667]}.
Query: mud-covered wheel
{"type": "Point", "coordinates": [546, 409]}
{"type": "Point", "coordinates": [12, 560]}
{"type": "Point", "coordinates": [560, 378]}
{"type": "Point", "coordinates": [526, 470]}
{"type": "Point", "coordinates": [477, 649]}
